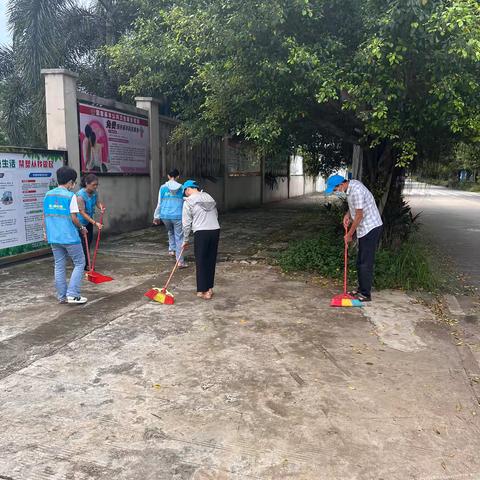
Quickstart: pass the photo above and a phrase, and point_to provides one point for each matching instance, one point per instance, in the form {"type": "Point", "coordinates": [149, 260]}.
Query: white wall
{"type": "Point", "coordinates": [310, 185]}
{"type": "Point", "coordinates": [320, 184]}
{"type": "Point", "coordinates": [279, 192]}
{"type": "Point", "coordinates": [296, 186]}
{"type": "Point", "coordinates": [215, 189]}
{"type": "Point", "coordinates": [127, 200]}
{"type": "Point", "coordinates": [244, 191]}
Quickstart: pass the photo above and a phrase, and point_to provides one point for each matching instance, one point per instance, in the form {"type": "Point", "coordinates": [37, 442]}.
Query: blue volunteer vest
{"type": "Point", "coordinates": [171, 203]}
{"type": "Point", "coordinates": [90, 202]}
{"type": "Point", "coordinates": [58, 222]}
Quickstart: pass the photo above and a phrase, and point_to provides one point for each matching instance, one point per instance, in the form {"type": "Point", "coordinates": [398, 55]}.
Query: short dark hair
{"type": "Point", "coordinates": [90, 178]}
{"type": "Point", "coordinates": [65, 175]}
{"type": "Point", "coordinates": [174, 173]}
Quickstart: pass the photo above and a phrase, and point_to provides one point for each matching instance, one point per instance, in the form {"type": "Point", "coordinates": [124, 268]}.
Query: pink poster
{"type": "Point", "coordinates": [112, 141]}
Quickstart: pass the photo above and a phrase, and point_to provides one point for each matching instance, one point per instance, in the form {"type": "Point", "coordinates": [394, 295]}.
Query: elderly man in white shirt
{"type": "Point", "coordinates": [363, 218]}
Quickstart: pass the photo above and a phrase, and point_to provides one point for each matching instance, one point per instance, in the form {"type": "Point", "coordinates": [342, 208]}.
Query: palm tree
{"type": "Point", "coordinates": [51, 34]}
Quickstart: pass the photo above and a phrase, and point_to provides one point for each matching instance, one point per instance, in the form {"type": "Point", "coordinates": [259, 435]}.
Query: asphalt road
{"type": "Point", "coordinates": [452, 219]}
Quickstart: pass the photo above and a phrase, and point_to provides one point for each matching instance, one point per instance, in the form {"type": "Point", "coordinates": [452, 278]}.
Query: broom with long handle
{"type": "Point", "coordinates": [163, 295]}
{"type": "Point", "coordinates": [97, 242]}
{"type": "Point", "coordinates": [344, 299]}
{"type": "Point", "coordinates": [92, 275]}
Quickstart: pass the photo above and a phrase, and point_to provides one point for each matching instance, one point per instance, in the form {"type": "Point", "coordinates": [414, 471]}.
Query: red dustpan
{"type": "Point", "coordinates": [92, 275]}
{"type": "Point", "coordinates": [344, 299]}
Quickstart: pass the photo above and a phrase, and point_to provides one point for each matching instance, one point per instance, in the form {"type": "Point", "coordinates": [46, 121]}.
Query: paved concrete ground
{"type": "Point", "coordinates": [452, 219]}
{"type": "Point", "coordinates": [265, 381]}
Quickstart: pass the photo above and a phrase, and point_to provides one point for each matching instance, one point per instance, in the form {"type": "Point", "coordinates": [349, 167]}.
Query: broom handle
{"type": "Point", "coordinates": [98, 242]}
{"type": "Point", "coordinates": [85, 233]}
{"type": "Point", "coordinates": [345, 270]}
{"type": "Point", "coordinates": [174, 269]}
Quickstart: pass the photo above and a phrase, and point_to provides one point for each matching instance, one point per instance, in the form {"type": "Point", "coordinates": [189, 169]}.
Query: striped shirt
{"type": "Point", "coordinates": [360, 198]}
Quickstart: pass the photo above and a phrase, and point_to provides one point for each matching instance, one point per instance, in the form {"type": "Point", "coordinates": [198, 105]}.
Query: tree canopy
{"type": "Point", "coordinates": [52, 34]}
{"type": "Point", "coordinates": [397, 74]}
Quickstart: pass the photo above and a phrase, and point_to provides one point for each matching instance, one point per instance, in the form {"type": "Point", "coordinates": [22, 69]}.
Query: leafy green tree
{"type": "Point", "coordinates": [51, 34]}
{"type": "Point", "coordinates": [398, 77]}
{"type": "Point", "coordinates": [467, 157]}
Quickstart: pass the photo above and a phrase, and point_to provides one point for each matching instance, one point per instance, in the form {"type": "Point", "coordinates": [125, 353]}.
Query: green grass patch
{"type": "Point", "coordinates": [406, 268]}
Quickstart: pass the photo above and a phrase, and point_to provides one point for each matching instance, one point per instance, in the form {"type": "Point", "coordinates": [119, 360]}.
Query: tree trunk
{"type": "Point", "coordinates": [378, 168]}
{"type": "Point", "coordinates": [386, 182]}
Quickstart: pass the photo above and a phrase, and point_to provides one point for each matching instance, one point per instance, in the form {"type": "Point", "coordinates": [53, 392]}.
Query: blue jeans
{"type": "Point", "coordinates": [175, 237]}
{"type": "Point", "coordinates": [60, 254]}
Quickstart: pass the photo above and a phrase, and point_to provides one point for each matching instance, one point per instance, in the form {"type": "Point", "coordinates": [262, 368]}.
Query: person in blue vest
{"type": "Point", "coordinates": [63, 231]}
{"type": "Point", "coordinates": [88, 201]}
{"type": "Point", "coordinates": [169, 211]}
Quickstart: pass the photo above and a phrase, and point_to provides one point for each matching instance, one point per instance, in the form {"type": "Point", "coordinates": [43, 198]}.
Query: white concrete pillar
{"type": "Point", "coordinates": [262, 181]}
{"type": "Point", "coordinates": [226, 176]}
{"type": "Point", "coordinates": [156, 168]}
{"type": "Point", "coordinates": [62, 116]}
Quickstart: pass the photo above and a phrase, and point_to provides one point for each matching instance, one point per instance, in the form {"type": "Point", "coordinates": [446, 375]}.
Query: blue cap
{"type": "Point", "coordinates": [189, 184]}
{"type": "Point", "coordinates": [332, 182]}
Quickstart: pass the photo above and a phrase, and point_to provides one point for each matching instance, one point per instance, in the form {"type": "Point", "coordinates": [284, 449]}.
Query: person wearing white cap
{"type": "Point", "coordinates": [364, 220]}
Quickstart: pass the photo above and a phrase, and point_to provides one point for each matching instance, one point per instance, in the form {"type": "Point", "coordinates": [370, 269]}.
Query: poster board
{"type": "Point", "coordinates": [112, 141]}
{"type": "Point", "coordinates": [26, 175]}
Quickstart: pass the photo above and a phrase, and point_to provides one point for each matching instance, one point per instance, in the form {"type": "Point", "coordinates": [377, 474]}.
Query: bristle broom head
{"type": "Point", "coordinates": [160, 295]}
{"type": "Point", "coordinates": [343, 300]}
{"type": "Point", "coordinates": [164, 297]}
{"type": "Point", "coordinates": [151, 293]}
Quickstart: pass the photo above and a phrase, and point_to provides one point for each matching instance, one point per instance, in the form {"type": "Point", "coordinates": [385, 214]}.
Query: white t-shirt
{"type": "Point", "coordinates": [74, 205]}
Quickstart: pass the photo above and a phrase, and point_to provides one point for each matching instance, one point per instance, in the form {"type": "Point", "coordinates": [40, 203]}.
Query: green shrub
{"type": "Point", "coordinates": [405, 268]}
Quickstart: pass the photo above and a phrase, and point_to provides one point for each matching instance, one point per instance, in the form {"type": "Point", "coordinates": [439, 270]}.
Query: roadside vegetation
{"type": "Point", "coordinates": [409, 266]}
{"type": "Point", "coordinates": [457, 168]}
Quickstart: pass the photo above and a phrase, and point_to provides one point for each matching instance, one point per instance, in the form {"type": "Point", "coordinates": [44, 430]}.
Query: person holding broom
{"type": "Point", "coordinates": [364, 220]}
{"type": "Point", "coordinates": [200, 215]}
{"type": "Point", "coordinates": [61, 231]}
{"type": "Point", "coordinates": [88, 201]}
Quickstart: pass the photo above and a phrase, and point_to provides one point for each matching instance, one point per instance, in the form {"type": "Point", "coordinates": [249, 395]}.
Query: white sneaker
{"type": "Point", "coordinates": [76, 300]}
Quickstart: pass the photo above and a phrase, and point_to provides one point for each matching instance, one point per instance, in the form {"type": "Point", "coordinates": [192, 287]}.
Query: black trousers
{"type": "Point", "coordinates": [89, 228]}
{"type": "Point", "coordinates": [367, 247]}
{"type": "Point", "coordinates": [205, 249]}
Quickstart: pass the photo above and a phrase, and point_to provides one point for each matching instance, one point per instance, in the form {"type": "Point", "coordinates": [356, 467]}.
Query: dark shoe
{"type": "Point", "coordinates": [363, 298]}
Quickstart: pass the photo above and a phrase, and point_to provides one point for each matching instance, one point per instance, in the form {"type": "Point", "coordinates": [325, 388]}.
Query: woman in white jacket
{"type": "Point", "coordinates": [200, 215]}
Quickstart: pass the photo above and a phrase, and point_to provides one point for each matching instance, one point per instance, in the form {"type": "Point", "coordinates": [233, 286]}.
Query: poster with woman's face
{"type": "Point", "coordinates": [94, 152]}
{"type": "Point", "coordinates": [113, 141]}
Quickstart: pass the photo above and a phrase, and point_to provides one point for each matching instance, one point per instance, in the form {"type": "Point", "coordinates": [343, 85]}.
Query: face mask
{"type": "Point", "coordinates": [341, 195]}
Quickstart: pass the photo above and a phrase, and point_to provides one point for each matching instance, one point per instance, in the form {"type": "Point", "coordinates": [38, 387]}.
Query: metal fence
{"type": "Point", "coordinates": [277, 165]}
{"type": "Point", "coordinates": [195, 160]}
{"type": "Point", "coordinates": [241, 159]}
